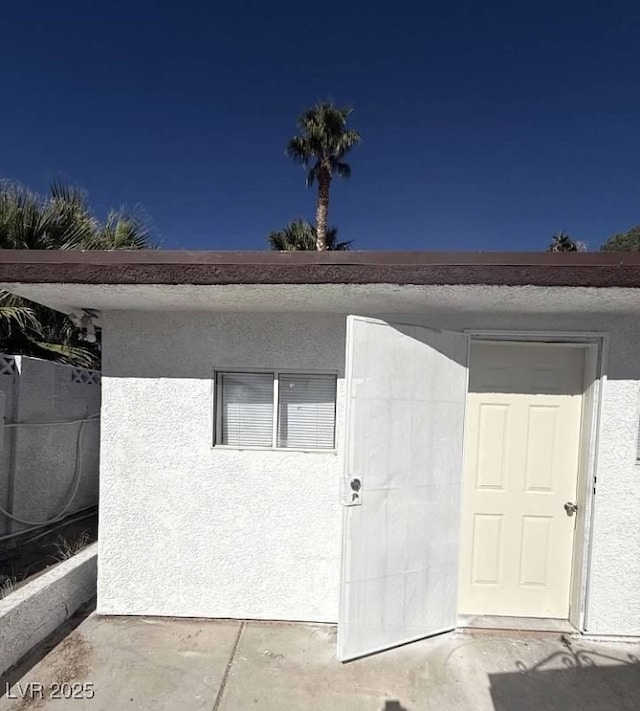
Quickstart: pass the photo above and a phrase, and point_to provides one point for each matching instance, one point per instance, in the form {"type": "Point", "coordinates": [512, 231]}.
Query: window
{"type": "Point", "coordinates": [306, 411]}
{"type": "Point", "coordinates": [246, 409]}
{"type": "Point", "coordinates": [276, 409]}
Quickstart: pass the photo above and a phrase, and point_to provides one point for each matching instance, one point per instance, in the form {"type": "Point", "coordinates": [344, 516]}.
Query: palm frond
{"type": "Point", "coordinates": [313, 174]}
{"type": "Point", "coordinates": [300, 235]}
{"type": "Point", "coordinates": [62, 219]}
{"type": "Point", "coordinates": [278, 242]}
{"type": "Point", "coordinates": [299, 149]}
{"type": "Point", "coordinates": [562, 242]}
{"type": "Point", "coordinates": [122, 230]}
{"type": "Point", "coordinates": [69, 355]}
{"type": "Point", "coordinates": [28, 221]}
{"type": "Point", "coordinates": [70, 195]}
{"type": "Point", "coordinates": [16, 313]}
{"type": "Point", "coordinates": [23, 317]}
{"type": "Point", "coordinates": [346, 141]}
{"type": "Point", "coordinates": [332, 243]}
{"type": "Point", "coordinates": [323, 141]}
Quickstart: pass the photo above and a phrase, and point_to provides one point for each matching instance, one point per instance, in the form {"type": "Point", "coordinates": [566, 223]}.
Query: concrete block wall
{"type": "Point", "coordinates": [37, 609]}
{"type": "Point", "coordinates": [8, 390]}
{"type": "Point", "coordinates": [38, 461]}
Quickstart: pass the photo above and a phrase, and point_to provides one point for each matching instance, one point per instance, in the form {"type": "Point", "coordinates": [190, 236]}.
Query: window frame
{"type": "Point", "coordinates": [276, 372]}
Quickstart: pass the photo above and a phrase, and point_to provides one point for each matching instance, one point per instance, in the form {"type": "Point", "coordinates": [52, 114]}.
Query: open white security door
{"type": "Point", "coordinates": [406, 391]}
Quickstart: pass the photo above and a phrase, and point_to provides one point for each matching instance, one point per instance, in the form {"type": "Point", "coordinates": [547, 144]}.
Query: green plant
{"type": "Point", "coordinates": [7, 585]}
{"type": "Point", "coordinates": [624, 241]}
{"type": "Point", "coordinates": [562, 242]}
{"type": "Point", "coordinates": [67, 547]}
{"type": "Point", "coordinates": [301, 235]}
{"type": "Point", "coordinates": [62, 219]}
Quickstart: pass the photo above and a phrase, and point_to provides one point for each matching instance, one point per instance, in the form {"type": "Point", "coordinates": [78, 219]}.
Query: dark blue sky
{"type": "Point", "coordinates": [485, 125]}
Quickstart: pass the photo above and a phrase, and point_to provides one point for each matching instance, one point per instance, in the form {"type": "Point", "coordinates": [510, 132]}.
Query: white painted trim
{"type": "Point", "coordinates": [587, 474]}
{"type": "Point", "coordinates": [232, 448]}
{"type": "Point", "coordinates": [533, 344]}
{"type": "Point", "coordinates": [586, 483]}
{"type": "Point", "coordinates": [592, 470]}
{"type": "Point", "coordinates": [293, 371]}
{"type": "Point", "coordinates": [346, 468]}
{"type": "Point", "coordinates": [535, 336]}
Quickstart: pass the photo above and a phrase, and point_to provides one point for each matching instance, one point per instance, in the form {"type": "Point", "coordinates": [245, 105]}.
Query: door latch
{"type": "Point", "coordinates": [570, 508]}
{"type": "Point", "coordinates": [353, 495]}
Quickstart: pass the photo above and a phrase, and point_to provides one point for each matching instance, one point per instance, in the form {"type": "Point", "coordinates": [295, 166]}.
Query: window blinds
{"type": "Point", "coordinates": [306, 411]}
{"type": "Point", "coordinates": [246, 401]}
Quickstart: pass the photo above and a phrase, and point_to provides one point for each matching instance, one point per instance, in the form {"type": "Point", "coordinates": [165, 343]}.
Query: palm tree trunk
{"type": "Point", "coordinates": [322, 210]}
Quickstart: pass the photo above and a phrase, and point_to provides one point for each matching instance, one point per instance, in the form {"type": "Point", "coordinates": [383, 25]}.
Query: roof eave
{"type": "Point", "coordinates": [417, 268]}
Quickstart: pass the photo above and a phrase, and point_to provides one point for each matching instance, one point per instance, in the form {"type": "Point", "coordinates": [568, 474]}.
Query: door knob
{"type": "Point", "coordinates": [570, 508]}
{"type": "Point", "coordinates": [355, 485]}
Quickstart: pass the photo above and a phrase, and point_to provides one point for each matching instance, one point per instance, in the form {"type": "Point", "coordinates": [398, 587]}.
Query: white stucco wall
{"type": "Point", "coordinates": [187, 529]}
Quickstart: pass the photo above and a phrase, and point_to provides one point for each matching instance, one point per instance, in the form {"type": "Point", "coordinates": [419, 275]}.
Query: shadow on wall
{"type": "Point", "coordinates": [193, 345]}
{"type": "Point", "coordinates": [622, 330]}
{"type": "Point", "coordinates": [394, 706]}
{"type": "Point", "coordinates": [570, 681]}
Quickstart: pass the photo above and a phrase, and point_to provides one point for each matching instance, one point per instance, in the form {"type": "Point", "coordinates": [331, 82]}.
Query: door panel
{"type": "Point", "coordinates": [524, 411]}
{"type": "Point", "coordinates": [406, 391]}
{"type": "Point", "coordinates": [487, 546]}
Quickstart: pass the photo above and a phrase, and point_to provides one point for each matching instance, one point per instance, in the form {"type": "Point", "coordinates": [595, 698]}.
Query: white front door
{"type": "Point", "coordinates": [406, 391]}
{"type": "Point", "coordinates": [522, 441]}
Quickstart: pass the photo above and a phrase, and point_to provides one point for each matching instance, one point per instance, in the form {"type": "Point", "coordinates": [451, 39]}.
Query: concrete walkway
{"type": "Point", "coordinates": [168, 664]}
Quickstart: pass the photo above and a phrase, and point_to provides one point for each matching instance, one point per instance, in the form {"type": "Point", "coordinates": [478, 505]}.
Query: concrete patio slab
{"type": "Point", "coordinates": [130, 663]}
{"type": "Point", "coordinates": [293, 667]}
{"type": "Point", "coordinates": [150, 663]}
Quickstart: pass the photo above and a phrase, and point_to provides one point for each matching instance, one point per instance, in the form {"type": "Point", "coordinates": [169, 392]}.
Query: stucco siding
{"type": "Point", "coordinates": [187, 529]}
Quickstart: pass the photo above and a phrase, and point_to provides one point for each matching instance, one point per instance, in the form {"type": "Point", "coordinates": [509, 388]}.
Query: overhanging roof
{"type": "Point", "coordinates": [337, 282]}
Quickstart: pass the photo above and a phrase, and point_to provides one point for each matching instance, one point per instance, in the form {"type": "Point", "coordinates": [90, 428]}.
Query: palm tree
{"type": "Point", "coordinates": [64, 220]}
{"type": "Point", "coordinates": [122, 230]}
{"type": "Point", "coordinates": [301, 235]}
{"type": "Point", "coordinates": [29, 222]}
{"type": "Point", "coordinates": [61, 220]}
{"type": "Point", "coordinates": [562, 242]}
{"type": "Point", "coordinates": [321, 146]}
